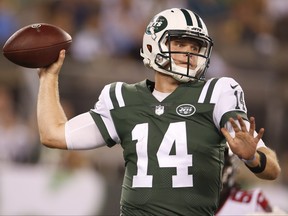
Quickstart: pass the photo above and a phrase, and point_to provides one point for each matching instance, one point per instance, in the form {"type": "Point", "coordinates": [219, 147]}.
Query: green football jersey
{"type": "Point", "coordinates": [173, 149]}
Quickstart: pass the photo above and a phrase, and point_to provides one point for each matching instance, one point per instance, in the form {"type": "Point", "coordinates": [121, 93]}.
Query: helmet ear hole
{"type": "Point", "coordinates": [149, 47]}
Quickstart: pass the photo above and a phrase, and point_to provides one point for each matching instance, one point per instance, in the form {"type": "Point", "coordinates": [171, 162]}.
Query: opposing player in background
{"type": "Point", "coordinates": [173, 130]}
{"type": "Point", "coordinates": [235, 200]}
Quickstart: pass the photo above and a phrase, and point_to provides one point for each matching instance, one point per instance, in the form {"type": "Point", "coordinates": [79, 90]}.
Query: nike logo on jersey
{"type": "Point", "coordinates": [233, 87]}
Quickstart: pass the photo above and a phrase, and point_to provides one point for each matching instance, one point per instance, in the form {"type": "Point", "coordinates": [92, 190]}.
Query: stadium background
{"type": "Point", "coordinates": [251, 45]}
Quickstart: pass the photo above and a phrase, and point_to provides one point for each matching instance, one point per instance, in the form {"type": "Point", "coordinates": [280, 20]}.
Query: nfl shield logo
{"type": "Point", "coordinates": [159, 110]}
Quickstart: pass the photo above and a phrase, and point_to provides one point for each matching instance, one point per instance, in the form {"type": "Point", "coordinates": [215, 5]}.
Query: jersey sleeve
{"type": "Point", "coordinates": [94, 128]}
{"type": "Point", "coordinates": [228, 97]}
{"type": "Point", "coordinates": [81, 132]}
{"type": "Point", "coordinates": [103, 119]}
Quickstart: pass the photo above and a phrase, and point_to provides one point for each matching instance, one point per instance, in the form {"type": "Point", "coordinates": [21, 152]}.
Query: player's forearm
{"type": "Point", "coordinates": [272, 168]}
{"type": "Point", "coordinates": [50, 114]}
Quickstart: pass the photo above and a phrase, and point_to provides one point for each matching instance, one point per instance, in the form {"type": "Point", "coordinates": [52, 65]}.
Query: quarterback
{"type": "Point", "coordinates": [173, 130]}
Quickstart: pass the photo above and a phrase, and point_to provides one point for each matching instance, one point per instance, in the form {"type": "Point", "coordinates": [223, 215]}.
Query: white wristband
{"type": "Point", "coordinates": [250, 160]}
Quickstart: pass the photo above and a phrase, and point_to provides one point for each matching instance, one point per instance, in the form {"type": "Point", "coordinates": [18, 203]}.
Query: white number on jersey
{"type": "Point", "coordinates": [175, 134]}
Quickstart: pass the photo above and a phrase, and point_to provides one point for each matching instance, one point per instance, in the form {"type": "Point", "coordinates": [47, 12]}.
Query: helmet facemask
{"type": "Point", "coordinates": [197, 63]}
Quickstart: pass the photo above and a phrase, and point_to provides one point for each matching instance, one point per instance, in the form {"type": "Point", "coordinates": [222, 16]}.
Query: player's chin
{"type": "Point", "coordinates": [186, 65]}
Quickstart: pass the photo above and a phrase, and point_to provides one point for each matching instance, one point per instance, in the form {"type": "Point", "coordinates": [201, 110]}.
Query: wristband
{"type": "Point", "coordinates": [250, 160]}
{"type": "Point", "coordinates": [261, 167]}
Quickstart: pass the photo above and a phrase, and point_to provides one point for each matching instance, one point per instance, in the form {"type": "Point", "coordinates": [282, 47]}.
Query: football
{"type": "Point", "coordinates": [36, 45]}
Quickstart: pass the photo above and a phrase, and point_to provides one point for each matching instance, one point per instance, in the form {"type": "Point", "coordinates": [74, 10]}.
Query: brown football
{"type": "Point", "coordinates": [36, 45]}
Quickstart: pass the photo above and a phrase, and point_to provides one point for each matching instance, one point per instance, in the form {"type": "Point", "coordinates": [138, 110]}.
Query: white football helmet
{"type": "Point", "coordinates": [180, 23]}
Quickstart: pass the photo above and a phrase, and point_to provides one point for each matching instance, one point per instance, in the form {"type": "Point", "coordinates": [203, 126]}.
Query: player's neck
{"type": "Point", "coordinates": [165, 83]}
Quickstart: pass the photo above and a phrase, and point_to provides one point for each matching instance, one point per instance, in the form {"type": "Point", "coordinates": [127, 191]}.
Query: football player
{"type": "Point", "coordinates": [173, 130]}
{"type": "Point", "coordinates": [234, 200]}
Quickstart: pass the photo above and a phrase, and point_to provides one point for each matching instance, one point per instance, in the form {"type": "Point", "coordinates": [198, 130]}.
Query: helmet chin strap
{"type": "Point", "coordinates": [184, 77]}
{"type": "Point", "coordinates": [183, 74]}
{"type": "Point", "coordinates": [189, 74]}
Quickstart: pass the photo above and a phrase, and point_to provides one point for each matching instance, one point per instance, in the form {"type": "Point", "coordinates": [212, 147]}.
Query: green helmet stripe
{"type": "Point", "coordinates": [198, 21]}
{"type": "Point", "coordinates": [187, 17]}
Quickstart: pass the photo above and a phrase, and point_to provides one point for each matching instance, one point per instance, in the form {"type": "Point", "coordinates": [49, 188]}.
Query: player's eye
{"type": "Point", "coordinates": [195, 49]}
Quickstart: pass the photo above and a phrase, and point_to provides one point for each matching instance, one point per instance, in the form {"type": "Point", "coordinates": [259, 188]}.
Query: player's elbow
{"type": "Point", "coordinates": [46, 141]}
{"type": "Point", "coordinates": [273, 175]}
{"type": "Point", "coordinates": [275, 172]}
{"type": "Point", "coordinates": [52, 139]}
{"type": "Point", "coordinates": [272, 170]}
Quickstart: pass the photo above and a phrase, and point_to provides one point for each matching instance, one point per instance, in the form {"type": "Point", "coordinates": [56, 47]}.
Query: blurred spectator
{"type": "Point", "coordinates": [8, 21]}
{"type": "Point", "coordinates": [277, 102]}
{"type": "Point", "coordinates": [280, 29]}
{"type": "Point", "coordinates": [245, 20]}
{"type": "Point", "coordinates": [210, 9]}
{"type": "Point", "coordinates": [61, 13]}
{"type": "Point", "coordinates": [88, 41]}
{"type": "Point", "coordinates": [277, 8]}
{"type": "Point", "coordinates": [124, 21]}
{"type": "Point", "coordinates": [56, 184]}
{"type": "Point", "coordinates": [18, 140]}
{"type": "Point", "coordinates": [123, 24]}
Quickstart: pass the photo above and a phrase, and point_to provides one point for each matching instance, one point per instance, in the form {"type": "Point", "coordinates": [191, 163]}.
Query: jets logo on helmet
{"type": "Point", "coordinates": [156, 25]}
{"type": "Point", "coordinates": [180, 23]}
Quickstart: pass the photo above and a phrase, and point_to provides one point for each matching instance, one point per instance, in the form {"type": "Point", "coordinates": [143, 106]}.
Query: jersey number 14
{"type": "Point", "coordinates": [181, 160]}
